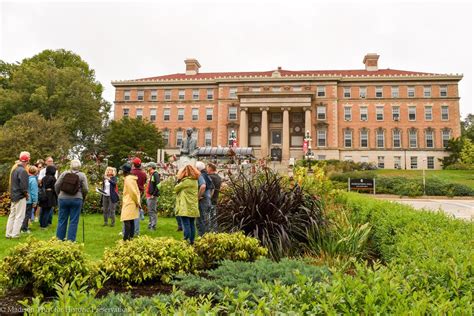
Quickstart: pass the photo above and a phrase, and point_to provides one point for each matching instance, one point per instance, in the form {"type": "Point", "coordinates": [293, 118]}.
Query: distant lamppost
{"type": "Point", "coordinates": [307, 149]}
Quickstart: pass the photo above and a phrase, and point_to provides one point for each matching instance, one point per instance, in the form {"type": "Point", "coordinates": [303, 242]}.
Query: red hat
{"type": "Point", "coordinates": [136, 161]}
{"type": "Point", "coordinates": [24, 156]}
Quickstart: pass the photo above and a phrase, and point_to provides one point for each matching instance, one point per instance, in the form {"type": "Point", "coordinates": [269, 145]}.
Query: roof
{"type": "Point", "coordinates": [286, 73]}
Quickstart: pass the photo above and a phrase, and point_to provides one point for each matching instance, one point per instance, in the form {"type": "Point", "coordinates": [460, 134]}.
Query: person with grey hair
{"type": "Point", "coordinates": [72, 188]}
{"type": "Point", "coordinates": [18, 195]}
{"type": "Point", "coordinates": [205, 191]}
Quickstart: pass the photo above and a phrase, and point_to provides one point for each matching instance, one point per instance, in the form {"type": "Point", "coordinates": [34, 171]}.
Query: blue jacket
{"type": "Point", "coordinates": [33, 190]}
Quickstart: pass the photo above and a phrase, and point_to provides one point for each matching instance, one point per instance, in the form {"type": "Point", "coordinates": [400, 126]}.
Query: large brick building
{"type": "Point", "coordinates": [394, 118]}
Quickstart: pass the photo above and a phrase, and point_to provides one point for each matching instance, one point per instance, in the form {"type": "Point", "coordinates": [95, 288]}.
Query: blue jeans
{"type": "Point", "coordinates": [178, 221]}
{"type": "Point", "coordinates": [69, 210]}
{"type": "Point", "coordinates": [189, 229]}
{"type": "Point", "coordinates": [204, 220]}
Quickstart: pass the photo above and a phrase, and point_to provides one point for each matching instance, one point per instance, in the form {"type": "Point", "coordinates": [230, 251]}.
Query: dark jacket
{"type": "Point", "coordinates": [19, 183]}
{"type": "Point", "coordinates": [141, 178]}
{"type": "Point", "coordinates": [217, 181]}
{"type": "Point", "coordinates": [114, 197]}
{"type": "Point", "coordinates": [153, 184]}
{"type": "Point", "coordinates": [47, 183]}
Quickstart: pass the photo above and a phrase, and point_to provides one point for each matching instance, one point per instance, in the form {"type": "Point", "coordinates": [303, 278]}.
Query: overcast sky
{"type": "Point", "coordinates": [132, 40]}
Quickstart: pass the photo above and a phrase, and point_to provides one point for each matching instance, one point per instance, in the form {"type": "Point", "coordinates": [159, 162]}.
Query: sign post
{"type": "Point", "coordinates": [361, 184]}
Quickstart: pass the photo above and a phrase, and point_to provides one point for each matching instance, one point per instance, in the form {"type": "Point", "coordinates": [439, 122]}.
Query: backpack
{"type": "Point", "coordinates": [71, 183]}
{"type": "Point", "coordinates": [42, 197]}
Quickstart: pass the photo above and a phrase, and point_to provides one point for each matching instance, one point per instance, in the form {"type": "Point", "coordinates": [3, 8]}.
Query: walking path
{"type": "Point", "coordinates": [462, 208]}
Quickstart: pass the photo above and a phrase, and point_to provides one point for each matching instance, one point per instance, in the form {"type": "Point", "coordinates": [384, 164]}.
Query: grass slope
{"type": "Point", "coordinates": [457, 176]}
{"type": "Point", "coordinates": [97, 237]}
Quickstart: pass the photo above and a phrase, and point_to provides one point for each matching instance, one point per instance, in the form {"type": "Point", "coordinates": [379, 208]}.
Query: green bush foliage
{"type": "Point", "coordinates": [145, 258]}
{"type": "Point", "coordinates": [92, 203]}
{"type": "Point", "coordinates": [167, 198]}
{"type": "Point", "coordinates": [40, 264]}
{"type": "Point", "coordinates": [215, 247]}
{"type": "Point", "coordinates": [249, 276]}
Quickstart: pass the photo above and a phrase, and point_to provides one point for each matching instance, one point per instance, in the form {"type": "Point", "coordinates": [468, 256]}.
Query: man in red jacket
{"type": "Point", "coordinates": [141, 181]}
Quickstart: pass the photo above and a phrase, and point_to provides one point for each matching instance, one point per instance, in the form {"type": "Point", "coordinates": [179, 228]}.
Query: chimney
{"type": "Point", "coordinates": [192, 66]}
{"type": "Point", "coordinates": [370, 62]}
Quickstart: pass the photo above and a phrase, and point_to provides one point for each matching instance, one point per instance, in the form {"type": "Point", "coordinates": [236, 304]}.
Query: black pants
{"type": "Point", "coordinates": [129, 229]}
{"type": "Point", "coordinates": [29, 209]}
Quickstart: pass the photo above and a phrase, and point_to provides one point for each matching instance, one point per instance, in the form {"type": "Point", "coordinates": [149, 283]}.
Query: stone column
{"type": "Point", "coordinates": [244, 128]}
{"type": "Point", "coordinates": [307, 120]}
{"type": "Point", "coordinates": [285, 153]}
{"type": "Point", "coordinates": [264, 133]}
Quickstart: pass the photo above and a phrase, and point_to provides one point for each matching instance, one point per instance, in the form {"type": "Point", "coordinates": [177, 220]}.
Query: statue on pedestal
{"type": "Point", "coordinates": [188, 150]}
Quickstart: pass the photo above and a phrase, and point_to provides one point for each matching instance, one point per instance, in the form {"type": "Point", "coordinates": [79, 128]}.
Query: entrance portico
{"type": "Point", "coordinates": [274, 123]}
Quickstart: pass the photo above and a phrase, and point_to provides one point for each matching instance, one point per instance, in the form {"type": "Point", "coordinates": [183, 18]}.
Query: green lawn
{"type": "Point", "coordinates": [458, 176]}
{"type": "Point", "coordinates": [97, 237]}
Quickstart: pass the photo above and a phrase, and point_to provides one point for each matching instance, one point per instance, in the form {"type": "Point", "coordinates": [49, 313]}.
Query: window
{"type": "Point", "coordinates": [195, 94]}
{"type": "Point", "coordinates": [297, 117]}
{"type": "Point", "coordinates": [428, 113]}
{"type": "Point", "coordinates": [412, 136]}
{"type": "Point", "coordinates": [209, 114]}
{"type": "Point", "coordinates": [347, 113]}
{"type": "Point", "coordinates": [276, 89]}
{"type": "Point", "coordinates": [166, 137]}
{"type": "Point", "coordinates": [126, 112]}
{"type": "Point", "coordinates": [179, 138]}
{"type": "Point", "coordinates": [348, 158]}
{"type": "Point", "coordinates": [276, 117]}
{"type": "Point", "coordinates": [140, 95]}
{"type": "Point", "coordinates": [321, 112]}
{"type": "Point", "coordinates": [321, 91]}
{"type": "Point", "coordinates": [430, 162]}
{"type": "Point", "coordinates": [166, 114]}
{"type": "Point", "coordinates": [232, 93]}
{"type": "Point", "coordinates": [321, 157]}
{"type": "Point", "coordinates": [364, 114]}
{"type": "Point", "coordinates": [379, 92]}
{"type": "Point", "coordinates": [412, 113]}
{"type": "Point", "coordinates": [126, 95]}
{"type": "Point", "coordinates": [414, 162]}
{"type": "Point", "coordinates": [195, 114]}
{"type": "Point", "coordinates": [256, 117]}
{"type": "Point", "coordinates": [181, 114]}
{"type": "Point", "coordinates": [444, 113]}
{"type": "Point", "coordinates": [429, 138]}
{"type": "Point", "coordinates": [181, 94]}
{"type": "Point", "coordinates": [411, 92]}
{"type": "Point", "coordinates": [321, 137]}
{"type": "Point", "coordinates": [443, 91]}
{"type": "Point", "coordinates": [208, 138]}
{"type": "Point", "coordinates": [446, 136]}
{"type": "Point", "coordinates": [139, 114]}
{"type": "Point", "coordinates": [395, 92]}
{"type": "Point", "coordinates": [380, 138]}
{"type": "Point", "coordinates": [297, 88]}
{"type": "Point", "coordinates": [363, 92]}
{"type": "Point", "coordinates": [210, 94]}
{"type": "Point", "coordinates": [396, 138]}
{"type": "Point", "coordinates": [427, 91]}
{"type": "Point", "coordinates": [397, 162]}
{"type": "Point", "coordinates": [379, 113]}
{"type": "Point", "coordinates": [152, 115]}
{"type": "Point", "coordinates": [276, 137]}
{"type": "Point", "coordinates": [153, 95]}
{"type": "Point", "coordinates": [364, 159]}
{"type": "Point", "coordinates": [347, 138]}
{"type": "Point", "coordinates": [255, 89]}
{"type": "Point", "coordinates": [347, 92]}
{"type": "Point", "coordinates": [232, 113]}
{"type": "Point", "coordinates": [195, 135]}
{"type": "Point", "coordinates": [364, 138]}
{"type": "Point", "coordinates": [381, 162]}
{"type": "Point", "coordinates": [396, 113]}
{"type": "Point", "coordinates": [167, 95]}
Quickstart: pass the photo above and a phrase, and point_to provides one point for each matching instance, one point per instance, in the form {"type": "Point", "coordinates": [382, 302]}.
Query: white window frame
{"type": "Point", "coordinates": [379, 92]}
{"type": "Point", "coordinates": [445, 137]}
{"type": "Point", "coordinates": [166, 137]}
{"type": "Point", "coordinates": [364, 136]}
{"type": "Point", "coordinates": [140, 95]}
{"type": "Point", "coordinates": [410, 108]}
{"type": "Point", "coordinates": [362, 92]}
{"type": "Point", "coordinates": [347, 92]}
{"type": "Point", "coordinates": [126, 112]}
{"type": "Point", "coordinates": [411, 90]}
{"type": "Point", "coordinates": [396, 137]}
{"type": "Point", "coordinates": [321, 91]}
{"type": "Point", "coordinates": [428, 113]}
{"type": "Point", "coordinates": [181, 113]}
{"type": "Point", "coordinates": [397, 162]}
{"type": "Point", "coordinates": [195, 94]}
{"type": "Point", "coordinates": [321, 111]}
{"type": "Point", "coordinates": [195, 114]}
{"type": "Point", "coordinates": [413, 162]}
{"type": "Point", "coordinates": [430, 162]}
{"type": "Point", "coordinates": [153, 115]}
{"type": "Point", "coordinates": [379, 113]}
{"type": "Point", "coordinates": [139, 113]}
{"type": "Point", "coordinates": [209, 112]}
{"type": "Point", "coordinates": [429, 136]}
{"type": "Point", "coordinates": [347, 113]}
{"type": "Point", "coordinates": [232, 115]}
{"type": "Point", "coordinates": [413, 136]}
{"type": "Point", "coordinates": [444, 113]}
{"type": "Point", "coordinates": [395, 113]}
{"type": "Point", "coordinates": [321, 135]}
{"type": "Point", "coordinates": [167, 95]}
{"type": "Point", "coordinates": [347, 137]}
{"type": "Point", "coordinates": [427, 91]}
{"type": "Point", "coordinates": [208, 138]}
{"type": "Point", "coordinates": [210, 94]}
{"type": "Point", "coordinates": [443, 91]}
{"type": "Point", "coordinates": [381, 162]}
{"type": "Point", "coordinates": [153, 95]}
{"type": "Point", "coordinates": [167, 113]}
{"type": "Point", "coordinates": [378, 133]}
{"type": "Point", "coordinates": [178, 142]}
{"type": "Point", "coordinates": [126, 95]}
{"type": "Point", "coordinates": [181, 94]}
{"type": "Point", "coordinates": [364, 110]}
{"type": "Point", "coordinates": [232, 93]}
{"type": "Point", "coordinates": [395, 92]}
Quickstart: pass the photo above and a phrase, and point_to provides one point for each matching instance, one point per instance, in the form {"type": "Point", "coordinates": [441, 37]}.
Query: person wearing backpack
{"type": "Point", "coordinates": [206, 189]}
{"type": "Point", "coordinates": [152, 193]}
{"type": "Point", "coordinates": [72, 188]}
{"type": "Point", "coordinates": [48, 198]}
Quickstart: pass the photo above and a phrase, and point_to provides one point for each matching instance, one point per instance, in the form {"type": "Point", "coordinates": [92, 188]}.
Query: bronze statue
{"type": "Point", "coordinates": [188, 146]}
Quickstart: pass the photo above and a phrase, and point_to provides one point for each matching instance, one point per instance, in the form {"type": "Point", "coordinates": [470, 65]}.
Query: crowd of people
{"type": "Point", "coordinates": [36, 189]}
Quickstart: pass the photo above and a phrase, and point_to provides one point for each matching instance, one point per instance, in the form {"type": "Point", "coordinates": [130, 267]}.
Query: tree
{"type": "Point", "coordinates": [467, 152]}
{"type": "Point", "coordinates": [128, 136]}
{"type": "Point", "coordinates": [56, 84]}
{"type": "Point", "coordinates": [467, 127]}
{"type": "Point", "coordinates": [33, 133]}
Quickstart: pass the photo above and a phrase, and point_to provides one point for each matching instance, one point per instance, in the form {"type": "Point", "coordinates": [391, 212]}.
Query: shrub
{"type": "Point", "coordinates": [92, 203]}
{"type": "Point", "coordinates": [460, 166]}
{"type": "Point", "coordinates": [343, 177]}
{"type": "Point", "coordinates": [213, 248]}
{"type": "Point", "coordinates": [167, 198]}
{"type": "Point", "coordinates": [262, 206]}
{"type": "Point", "coordinates": [40, 264]}
{"type": "Point", "coordinates": [145, 258]}
{"type": "Point", "coordinates": [5, 203]}
{"type": "Point", "coordinates": [249, 276]}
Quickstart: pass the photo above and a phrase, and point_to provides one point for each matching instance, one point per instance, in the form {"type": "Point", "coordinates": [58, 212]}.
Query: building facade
{"type": "Point", "coordinates": [394, 118]}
